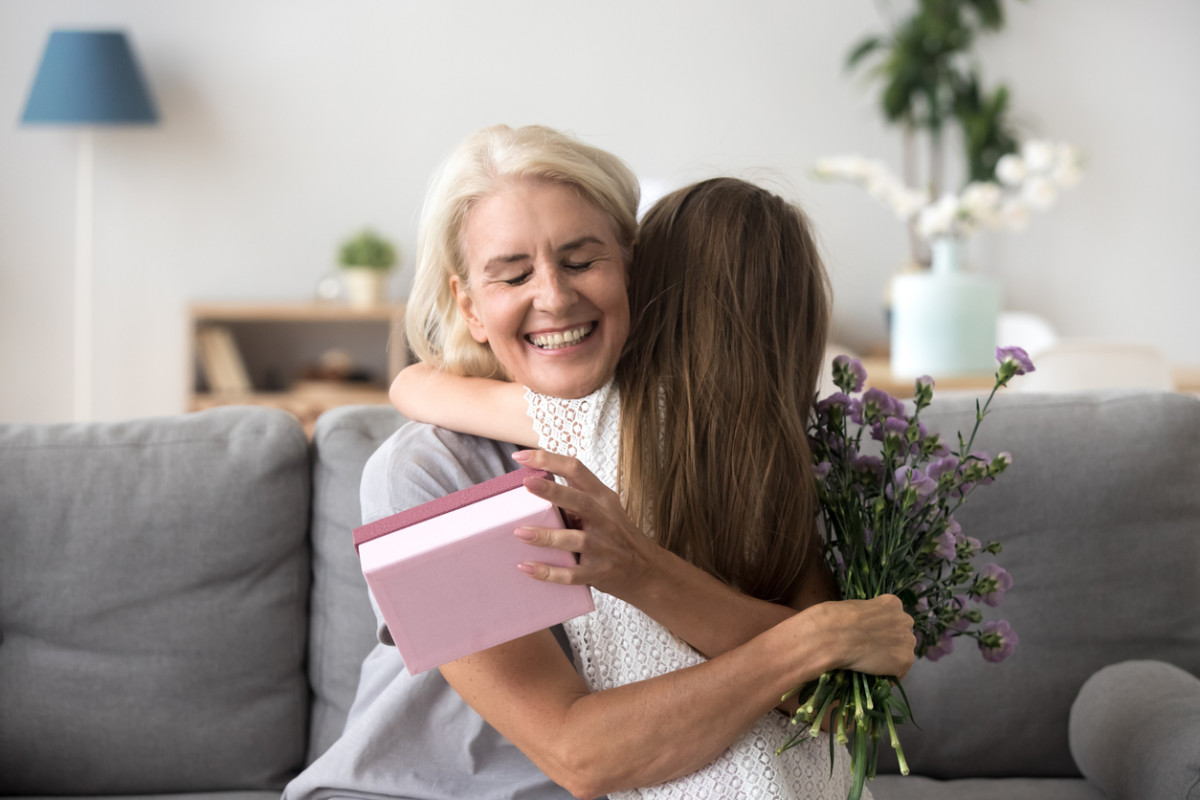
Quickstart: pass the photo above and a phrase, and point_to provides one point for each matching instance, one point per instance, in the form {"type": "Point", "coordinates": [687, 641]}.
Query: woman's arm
{"type": "Point", "coordinates": [651, 731]}
{"type": "Point", "coordinates": [479, 406]}
{"type": "Point", "coordinates": [619, 559]}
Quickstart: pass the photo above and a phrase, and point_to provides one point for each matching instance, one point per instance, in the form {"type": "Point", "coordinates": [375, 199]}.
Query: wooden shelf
{"type": "Point", "coordinates": [302, 357]}
{"type": "Point", "coordinates": [295, 312]}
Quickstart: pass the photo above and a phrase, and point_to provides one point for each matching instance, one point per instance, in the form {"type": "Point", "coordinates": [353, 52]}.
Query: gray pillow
{"type": "Point", "coordinates": [153, 592]}
{"type": "Point", "coordinates": [343, 624]}
{"type": "Point", "coordinates": [1100, 521]}
{"type": "Point", "coordinates": [1135, 731]}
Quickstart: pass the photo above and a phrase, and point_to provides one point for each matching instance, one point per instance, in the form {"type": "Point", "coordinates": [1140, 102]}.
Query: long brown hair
{"type": "Point", "coordinates": [730, 309]}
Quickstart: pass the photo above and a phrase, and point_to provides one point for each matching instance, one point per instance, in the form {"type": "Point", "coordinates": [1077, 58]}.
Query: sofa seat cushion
{"type": "Point", "coordinates": [153, 593]}
{"type": "Point", "coordinates": [913, 787]}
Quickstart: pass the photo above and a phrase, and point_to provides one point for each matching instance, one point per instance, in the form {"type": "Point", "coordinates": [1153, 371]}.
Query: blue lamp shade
{"type": "Point", "coordinates": [89, 78]}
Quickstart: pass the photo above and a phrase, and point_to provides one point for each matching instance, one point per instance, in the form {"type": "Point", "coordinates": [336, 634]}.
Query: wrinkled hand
{"type": "Point", "coordinates": [614, 554]}
{"type": "Point", "coordinates": [874, 636]}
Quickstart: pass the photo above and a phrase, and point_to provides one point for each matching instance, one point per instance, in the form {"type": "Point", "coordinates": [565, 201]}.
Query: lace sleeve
{"type": "Point", "coordinates": [585, 428]}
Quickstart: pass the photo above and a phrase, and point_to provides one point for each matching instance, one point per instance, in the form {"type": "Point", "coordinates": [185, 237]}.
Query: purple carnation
{"type": "Point", "coordinates": [911, 476]}
{"type": "Point", "coordinates": [875, 405]}
{"type": "Point", "coordinates": [1018, 358]}
{"type": "Point", "coordinates": [997, 641]}
{"type": "Point", "coordinates": [954, 528]}
{"type": "Point", "coordinates": [942, 466]}
{"type": "Point", "coordinates": [894, 427]}
{"type": "Point", "coordinates": [848, 373]}
{"type": "Point", "coordinates": [992, 583]}
{"type": "Point", "coordinates": [867, 464]}
{"type": "Point", "coordinates": [946, 549]}
{"type": "Point", "coordinates": [835, 400]}
{"type": "Point", "coordinates": [944, 647]}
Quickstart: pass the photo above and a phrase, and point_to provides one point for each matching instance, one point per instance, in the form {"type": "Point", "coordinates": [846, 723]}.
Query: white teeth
{"type": "Point", "coordinates": [554, 341]}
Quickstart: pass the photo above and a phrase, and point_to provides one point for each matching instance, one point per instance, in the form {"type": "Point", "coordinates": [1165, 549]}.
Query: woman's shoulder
{"type": "Point", "coordinates": [422, 462]}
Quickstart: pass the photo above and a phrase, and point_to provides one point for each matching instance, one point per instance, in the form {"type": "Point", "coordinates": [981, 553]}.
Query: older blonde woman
{"type": "Point", "coordinates": [528, 235]}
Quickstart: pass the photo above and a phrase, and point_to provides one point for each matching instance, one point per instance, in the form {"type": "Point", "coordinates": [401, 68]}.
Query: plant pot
{"type": "Point", "coordinates": [944, 320]}
{"type": "Point", "coordinates": [365, 287]}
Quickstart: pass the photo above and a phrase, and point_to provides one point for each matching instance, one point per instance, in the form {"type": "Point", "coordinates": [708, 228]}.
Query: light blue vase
{"type": "Point", "coordinates": [944, 320]}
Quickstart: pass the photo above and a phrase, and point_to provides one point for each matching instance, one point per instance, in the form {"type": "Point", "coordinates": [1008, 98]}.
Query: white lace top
{"type": "Point", "coordinates": [618, 644]}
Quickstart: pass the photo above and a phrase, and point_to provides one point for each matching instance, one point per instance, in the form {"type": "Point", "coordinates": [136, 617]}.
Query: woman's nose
{"type": "Point", "coordinates": [555, 294]}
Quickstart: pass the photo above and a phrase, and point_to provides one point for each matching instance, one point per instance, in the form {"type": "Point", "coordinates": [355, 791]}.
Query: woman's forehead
{"type": "Point", "coordinates": [524, 216]}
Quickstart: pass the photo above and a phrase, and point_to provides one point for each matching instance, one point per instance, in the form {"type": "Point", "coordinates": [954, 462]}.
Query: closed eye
{"type": "Point", "coordinates": [517, 281]}
{"type": "Point", "coordinates": [579, 267]}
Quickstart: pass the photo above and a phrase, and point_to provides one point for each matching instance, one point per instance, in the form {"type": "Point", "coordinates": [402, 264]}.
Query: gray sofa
{"type": "Point", "coordinates": [181, 610]}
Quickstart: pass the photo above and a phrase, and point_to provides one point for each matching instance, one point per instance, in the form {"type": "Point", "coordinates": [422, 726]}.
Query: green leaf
{"type": "Point", "coordinates": [863, 49]}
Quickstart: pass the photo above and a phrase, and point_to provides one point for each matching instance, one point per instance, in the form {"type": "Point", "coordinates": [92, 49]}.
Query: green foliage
{"type": "Point", "coordinates": [927, 81]}
{"type": "Point", "coordinates": [987, 135]}
{"type": "Point", "coordinates": [367, 249]}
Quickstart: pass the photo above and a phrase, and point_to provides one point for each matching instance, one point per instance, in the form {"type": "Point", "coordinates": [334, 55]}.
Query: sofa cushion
{"type": "Point", "coordinates": [1135, 731]}
{"type": "Point", "coordinates": [342, 624]}
{"type": "Point", "coordinates": [153, 593]}
{"type": "Point", "coordinates": [915, 787]}
{"type": "Point", "coordinates": [1099, 517]}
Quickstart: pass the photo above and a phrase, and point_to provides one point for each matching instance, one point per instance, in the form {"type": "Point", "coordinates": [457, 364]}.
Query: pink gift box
{"type": "Point", "coordinates": [445, 573]}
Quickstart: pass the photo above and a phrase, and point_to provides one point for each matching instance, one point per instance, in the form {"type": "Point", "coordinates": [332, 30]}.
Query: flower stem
{"type": "Point", "coordinates": [895, 741]}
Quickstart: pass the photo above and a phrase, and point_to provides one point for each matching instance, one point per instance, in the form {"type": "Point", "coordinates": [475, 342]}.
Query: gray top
{"type": "Point", "coordinates": [413, 736]}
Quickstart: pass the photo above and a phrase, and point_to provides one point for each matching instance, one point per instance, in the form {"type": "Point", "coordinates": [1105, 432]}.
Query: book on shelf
{"type": "Point", "coordinates": [224, 369]}
{"type": "Point", "coordinates": [444, 574]}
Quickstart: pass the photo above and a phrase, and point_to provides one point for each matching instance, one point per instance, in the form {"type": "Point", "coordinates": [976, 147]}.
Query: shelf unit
{"type": "Point", "coordinates": [280, 355]}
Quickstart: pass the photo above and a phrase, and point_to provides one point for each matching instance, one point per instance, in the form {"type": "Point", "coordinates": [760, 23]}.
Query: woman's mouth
{"type": "Point", "coordinates": [561, 339]}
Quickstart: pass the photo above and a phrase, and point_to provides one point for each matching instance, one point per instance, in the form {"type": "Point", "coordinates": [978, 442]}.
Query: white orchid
{"type": "Point", "coordinates": [1031, 179]}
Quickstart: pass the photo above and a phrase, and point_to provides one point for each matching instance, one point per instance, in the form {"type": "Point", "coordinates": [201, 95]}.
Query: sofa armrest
{"type": "Point", "coordinates": [1135, 731]}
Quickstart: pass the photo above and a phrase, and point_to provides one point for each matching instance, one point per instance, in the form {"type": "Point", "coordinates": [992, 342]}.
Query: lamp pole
{"type": "Point", "coordinates": [85, 79]}
{"type": "Point", "coordinates": [84, 193]}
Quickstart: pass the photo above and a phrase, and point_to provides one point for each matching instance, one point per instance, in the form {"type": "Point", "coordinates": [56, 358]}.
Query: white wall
{"type": "Point", "coordinates": [289, 123]}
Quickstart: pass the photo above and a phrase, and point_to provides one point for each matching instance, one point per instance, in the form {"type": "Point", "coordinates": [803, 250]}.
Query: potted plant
{"type": "Point", "coordinates": [366, 259]}
{"type": "Point", "coordinates": [942, 320]}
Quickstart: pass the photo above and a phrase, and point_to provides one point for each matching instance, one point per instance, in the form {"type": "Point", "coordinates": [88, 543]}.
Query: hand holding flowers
{"type": "Point", "coordinates": [888, 511]}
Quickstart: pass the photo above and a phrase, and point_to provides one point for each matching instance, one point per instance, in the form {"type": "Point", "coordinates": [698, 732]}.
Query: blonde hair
{"type": "Point", "coordinates": [481, 165]}
{"type": "Point", "coordinates": [729, 317]}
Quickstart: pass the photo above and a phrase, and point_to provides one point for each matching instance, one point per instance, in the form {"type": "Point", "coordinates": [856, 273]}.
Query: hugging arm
{"type": "Point", "coordinates": [479, 406]}
{"type": "Point", "coordinates": [654, 730]}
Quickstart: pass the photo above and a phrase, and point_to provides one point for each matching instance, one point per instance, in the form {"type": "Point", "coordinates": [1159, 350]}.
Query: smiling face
{"type": "Point", "coordinates": [546, 287]}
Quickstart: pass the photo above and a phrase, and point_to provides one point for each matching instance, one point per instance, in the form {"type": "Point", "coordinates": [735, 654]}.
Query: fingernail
{"type": "Point", "coordinates": [524, 533]}
{"type": "Point", "coordinates": [526, 568]}
{"type": "Point", "coordinates": [521, 455]}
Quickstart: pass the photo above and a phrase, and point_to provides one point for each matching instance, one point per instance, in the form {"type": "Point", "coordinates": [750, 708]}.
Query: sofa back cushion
{"type": "Point", "coordinates": [342, 624]}
{"type": "Point", "coordinates": [153, 594]}
{"type": "Point", "coordinates": [1099, 516]}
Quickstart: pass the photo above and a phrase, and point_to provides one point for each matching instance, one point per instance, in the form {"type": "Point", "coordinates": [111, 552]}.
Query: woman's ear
{"type": "Point", "coordinates": [466, 307]}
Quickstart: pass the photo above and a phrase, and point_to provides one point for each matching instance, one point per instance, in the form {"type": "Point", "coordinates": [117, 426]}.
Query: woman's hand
{"type": "Point", "coordinates": [614, 554]}
{"type": "Point", "coordinates": [871, 636]}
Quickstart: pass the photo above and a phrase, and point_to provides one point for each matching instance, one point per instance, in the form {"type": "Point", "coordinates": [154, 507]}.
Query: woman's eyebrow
{"type": "Point", "coordinates": [495, 262]}
{"type": "Point", "coordinates": [582, 241]}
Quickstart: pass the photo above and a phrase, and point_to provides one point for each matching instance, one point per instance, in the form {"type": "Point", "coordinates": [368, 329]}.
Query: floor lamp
{"type": "Point", "coordinates": [86, 79]}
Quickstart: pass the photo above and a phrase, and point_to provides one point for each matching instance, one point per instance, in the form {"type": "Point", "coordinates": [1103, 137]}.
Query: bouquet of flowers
{"type": "Point", "coordinates": [890, 529]}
